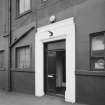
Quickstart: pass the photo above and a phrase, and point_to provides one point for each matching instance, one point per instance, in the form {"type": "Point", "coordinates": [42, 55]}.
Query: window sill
{"type": "Point", "coordinates": [23, 14]}
{"type": "Point", "coordinates": [90, 73]}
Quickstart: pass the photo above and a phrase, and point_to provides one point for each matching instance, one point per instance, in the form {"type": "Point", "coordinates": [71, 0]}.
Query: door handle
{"type": "Point", "coordinates": [51, 75]}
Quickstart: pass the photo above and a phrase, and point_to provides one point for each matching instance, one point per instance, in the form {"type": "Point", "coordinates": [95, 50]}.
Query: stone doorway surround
{"type": "Point", "coordinates": [64, 29]}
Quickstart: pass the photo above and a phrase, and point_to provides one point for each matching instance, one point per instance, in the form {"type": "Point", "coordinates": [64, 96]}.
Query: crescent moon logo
{"type": "Point", "coordinates": [51, 33]}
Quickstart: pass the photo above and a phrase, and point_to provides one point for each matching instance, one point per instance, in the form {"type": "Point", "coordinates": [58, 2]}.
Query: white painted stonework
{"type": "Point", "coordinates": [64, 29]}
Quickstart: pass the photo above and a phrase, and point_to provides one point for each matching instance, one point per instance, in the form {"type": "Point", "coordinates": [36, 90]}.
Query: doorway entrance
{"type": "Point", "coordinates": [62, 30]}
{"type": "Point", "coordinates": [55, 69]}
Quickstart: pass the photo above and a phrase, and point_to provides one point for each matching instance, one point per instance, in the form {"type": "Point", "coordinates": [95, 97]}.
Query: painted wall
{"type": "Point", "coordinates": [90, 89]}
{"type": "Point", "coordinates": [23, 80]}
{"type": "Point", "coordinates": [4, 79]}
{"type": "Point", "coordinates": [21, 24]}
{"type": "Point", "coordinates": [23, 33]}
{"type": "Point", "coordinates": [4, 43]}
{"type": "Point", "coordinates": [4, 69]}
{"type": "Point", "coordinates": [3, 17]}
{"type": "Point", "coordinates": [20, 21]}
{"type": "Point", "coordinates": [89, 17]}
{"type": "Point", "coordinates": [28, 39]}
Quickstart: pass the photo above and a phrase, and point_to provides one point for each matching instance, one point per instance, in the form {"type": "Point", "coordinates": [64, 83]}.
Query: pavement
{"type": "Point", "coordinates": [13, 98]}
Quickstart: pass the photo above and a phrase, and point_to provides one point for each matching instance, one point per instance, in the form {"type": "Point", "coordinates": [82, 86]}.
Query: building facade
{"type": "Point", "coordinates": [53, 47]}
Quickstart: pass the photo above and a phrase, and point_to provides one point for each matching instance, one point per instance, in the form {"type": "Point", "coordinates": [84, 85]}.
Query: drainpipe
{"type": "Point", "coordinates": [9, 43]}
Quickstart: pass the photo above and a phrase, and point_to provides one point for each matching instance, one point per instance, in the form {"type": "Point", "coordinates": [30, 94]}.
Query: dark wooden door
{"type": "Point", "coordinates": [51, 72]}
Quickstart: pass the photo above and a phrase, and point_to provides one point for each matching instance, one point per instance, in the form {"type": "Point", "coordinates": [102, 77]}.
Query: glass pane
{"type": "Point", "coordinates": [1, 59]}
{"type": "Point", "coordinates": [27, 57]}
{"type": "Point", "coordinates": [97, 46]}
{"type": "Point", "coordinates": [0, 63]}
{"type": "Point", "coordinates": [98, 64]}
{"type": "Point", "coordinates": [21, 6]}
{"type": "Point", "coordinates": [23, 57]}
{"type": "Point", "coordinates": [27, 5]}
{"type": "Point", "coordinates": [20, 58]}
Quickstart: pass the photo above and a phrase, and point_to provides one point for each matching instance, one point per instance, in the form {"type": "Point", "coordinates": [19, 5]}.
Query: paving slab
{"type": "Point", "coordinates": [13, 98]}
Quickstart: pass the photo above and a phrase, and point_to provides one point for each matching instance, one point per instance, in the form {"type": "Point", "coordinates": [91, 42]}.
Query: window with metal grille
{"type": "Point", "coordinates": [23, 57]}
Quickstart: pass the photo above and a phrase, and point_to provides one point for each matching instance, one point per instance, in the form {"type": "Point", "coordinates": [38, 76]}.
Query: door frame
{"type": "Point", "coordinates": [63, 30]}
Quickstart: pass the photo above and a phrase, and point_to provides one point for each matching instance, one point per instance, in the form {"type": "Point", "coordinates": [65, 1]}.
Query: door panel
{"type": "Point", "coordinates": [51, 71]}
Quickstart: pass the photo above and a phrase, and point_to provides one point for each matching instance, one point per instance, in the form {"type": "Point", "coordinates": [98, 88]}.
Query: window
{"type": "Point", "coordinates": [23, 57]}
{"type": "Point", "coordinates": [24, 6]}
{"type": "Point", "coordinates": [1, 59]}
{"type": "Point", "coordinates": [97, 56]}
